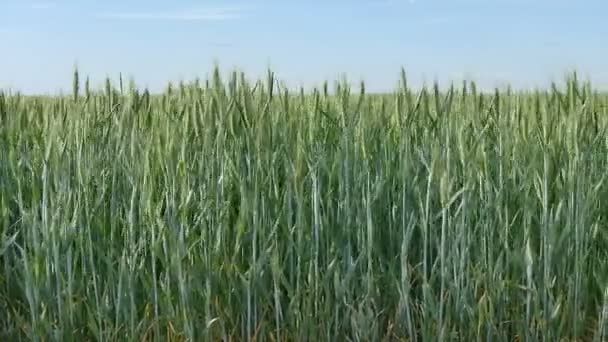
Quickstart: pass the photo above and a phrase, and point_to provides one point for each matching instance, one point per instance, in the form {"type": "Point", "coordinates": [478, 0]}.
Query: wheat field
{"type": "Point", "coordinates": [238, 210]}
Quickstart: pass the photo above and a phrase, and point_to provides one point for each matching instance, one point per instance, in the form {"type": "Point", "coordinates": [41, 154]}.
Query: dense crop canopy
{"type": "Point", "coordinates": [229, 210]}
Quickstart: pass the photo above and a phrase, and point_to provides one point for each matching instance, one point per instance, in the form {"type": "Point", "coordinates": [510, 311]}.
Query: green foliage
{"type": "Point", "coordinates": [234, 211]}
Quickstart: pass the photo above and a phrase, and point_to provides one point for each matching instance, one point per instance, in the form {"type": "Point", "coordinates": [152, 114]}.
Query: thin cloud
{"type": "Point", "coordinates": [205, 14]}
{"type": "Point", "coordinates": [394, 2]}
{"type": "Point", "coordinates": [42, 5]}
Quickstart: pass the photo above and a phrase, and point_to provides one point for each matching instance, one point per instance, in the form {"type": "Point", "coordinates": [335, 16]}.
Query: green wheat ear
{"type": "Point", "coordinates": [75, 85]}
{"type": "Point", "coordinates": [87, 89]}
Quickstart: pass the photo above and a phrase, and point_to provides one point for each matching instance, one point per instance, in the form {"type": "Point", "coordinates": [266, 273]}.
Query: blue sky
{"type": "Point", "coordinates": [525, 43]}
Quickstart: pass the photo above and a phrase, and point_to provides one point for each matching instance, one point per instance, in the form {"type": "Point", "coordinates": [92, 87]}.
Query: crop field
{"type": "Point", "coordinates": [236, 210]}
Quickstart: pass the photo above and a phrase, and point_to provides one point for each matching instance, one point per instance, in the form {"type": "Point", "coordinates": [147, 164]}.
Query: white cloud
{"type": "Point", "coordinates": [201, 14]}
